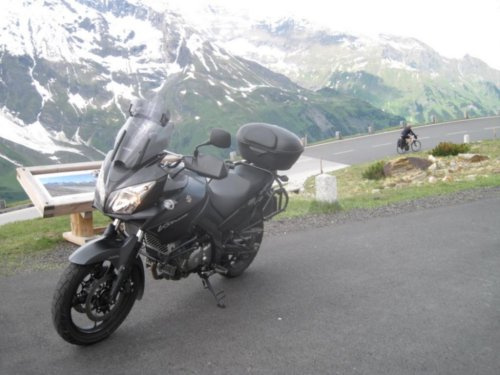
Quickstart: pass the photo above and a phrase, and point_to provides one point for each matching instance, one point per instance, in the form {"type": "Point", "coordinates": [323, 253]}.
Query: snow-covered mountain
{"type": "Point", "coordinates": [69, 69]}
{"type": "Point", "coordinates": [62, 60]}
{"type": "Point", "coordinates": [400, 75]}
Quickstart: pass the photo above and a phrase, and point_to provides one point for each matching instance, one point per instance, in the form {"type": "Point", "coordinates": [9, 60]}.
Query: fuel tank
{"type": "Point", "coordinates": [183, 199]}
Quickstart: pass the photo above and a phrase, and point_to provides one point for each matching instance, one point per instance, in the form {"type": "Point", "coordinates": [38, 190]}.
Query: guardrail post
{"type": "Point", "coordinates": [466, 138]}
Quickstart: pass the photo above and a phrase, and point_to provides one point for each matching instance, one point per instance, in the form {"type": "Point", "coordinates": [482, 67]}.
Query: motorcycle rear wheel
{"type": "Point", "coordinates": [81, 313]}
{"type": "Point", "coordinates": [237, 264]}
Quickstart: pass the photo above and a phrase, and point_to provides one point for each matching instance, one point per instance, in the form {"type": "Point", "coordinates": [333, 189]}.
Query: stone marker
{"type": "Point", "coordinates": [326, 188]}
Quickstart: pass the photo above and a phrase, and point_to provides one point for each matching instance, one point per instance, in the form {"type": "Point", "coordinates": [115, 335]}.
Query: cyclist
{"type": "Point", "coordinates": [405, 136]}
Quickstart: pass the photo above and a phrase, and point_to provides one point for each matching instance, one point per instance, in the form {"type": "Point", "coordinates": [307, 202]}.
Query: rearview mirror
{"type": "Point", "coordinates": [220, 138]}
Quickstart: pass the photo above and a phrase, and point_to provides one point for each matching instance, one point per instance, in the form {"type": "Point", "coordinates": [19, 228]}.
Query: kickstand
{"type": "Point", "coordinates": [219, 296]}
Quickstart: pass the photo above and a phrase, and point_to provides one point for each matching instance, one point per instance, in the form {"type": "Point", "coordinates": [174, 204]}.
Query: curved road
{"type": "Point", "coordinates": [377, 146]}
{"type": "Point", "coordinates": [416, 293]}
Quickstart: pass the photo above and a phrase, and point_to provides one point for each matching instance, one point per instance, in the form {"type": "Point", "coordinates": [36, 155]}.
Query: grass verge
{"type": "Point", "coordinates": [355, 191]}
{"type": "Point", "coordinates": [21, 241]}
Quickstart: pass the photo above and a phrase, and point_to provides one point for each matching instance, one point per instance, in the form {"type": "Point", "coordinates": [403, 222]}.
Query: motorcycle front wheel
{"type": "Point", "coordinates": [82, 313]}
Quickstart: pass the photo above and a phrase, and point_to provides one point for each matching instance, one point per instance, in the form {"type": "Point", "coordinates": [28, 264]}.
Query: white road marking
{"type": "Point", "coordinates": [492, 128]}
{"type": "Point", "coordinates": [343, 152]}
{"type": "Point", "coordinates": [456, 133]}
{"type": "Point", "coordinates": [382, 145]}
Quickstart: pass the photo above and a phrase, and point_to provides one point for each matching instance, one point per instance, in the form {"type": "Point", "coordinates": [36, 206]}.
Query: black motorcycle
{"type": "Point", "coordinates": [181, 214]}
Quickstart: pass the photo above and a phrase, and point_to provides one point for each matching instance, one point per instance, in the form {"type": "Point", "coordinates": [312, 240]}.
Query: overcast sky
{"type": "Point", "coordinates": [452, 27]}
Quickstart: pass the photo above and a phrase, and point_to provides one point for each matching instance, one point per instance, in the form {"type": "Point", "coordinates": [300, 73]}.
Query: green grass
{"type": "Point", "coordinates": [300, 206]}
{"type": "Point", "coordinates": [22, 240]}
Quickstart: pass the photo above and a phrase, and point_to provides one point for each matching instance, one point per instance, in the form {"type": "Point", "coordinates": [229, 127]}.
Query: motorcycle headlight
{"type": "Point", "coordinates": [126, 200]}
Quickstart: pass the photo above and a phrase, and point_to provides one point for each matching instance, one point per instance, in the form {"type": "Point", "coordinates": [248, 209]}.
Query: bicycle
{"type": "Point", "coordinates": [412, 143]}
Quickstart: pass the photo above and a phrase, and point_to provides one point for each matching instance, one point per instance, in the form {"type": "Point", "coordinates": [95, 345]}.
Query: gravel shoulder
{"type": "Point", "coordinates": [280, 227]}
{"type": "Point", "coordinates": [59, 256]}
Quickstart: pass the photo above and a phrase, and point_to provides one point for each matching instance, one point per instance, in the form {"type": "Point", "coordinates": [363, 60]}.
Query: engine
{"type": "Point", "coordinates": [176, 260]}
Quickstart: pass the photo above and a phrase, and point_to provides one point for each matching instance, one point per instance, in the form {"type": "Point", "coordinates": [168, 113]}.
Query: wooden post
{"type": "Point", "coordinates": [82, 228]}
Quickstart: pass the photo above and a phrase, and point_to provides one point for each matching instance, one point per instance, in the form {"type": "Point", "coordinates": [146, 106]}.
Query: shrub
{"type": "Point", "coordinates": [374, 171]}
{"type": "Point", "coordinates": [448, 148]}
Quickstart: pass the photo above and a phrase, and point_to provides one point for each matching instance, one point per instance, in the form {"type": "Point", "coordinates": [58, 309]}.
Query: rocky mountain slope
{"type": "Point", "coordinates": [69, 70]}
{"type": "Point", "coordinates": [402, 76]}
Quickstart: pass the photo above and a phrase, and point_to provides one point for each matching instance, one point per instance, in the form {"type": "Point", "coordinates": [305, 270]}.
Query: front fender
{"type": "Point", "coordinates": [109, 248]}
{"type": "Point", "coordinates": [98, 250]}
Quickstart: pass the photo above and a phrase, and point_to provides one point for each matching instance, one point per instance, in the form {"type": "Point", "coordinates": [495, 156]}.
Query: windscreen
{"type": "Point", "coordinates": [145, 134]}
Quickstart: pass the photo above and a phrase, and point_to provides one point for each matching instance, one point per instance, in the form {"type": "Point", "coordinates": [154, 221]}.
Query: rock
{"type": "Point", "coordinates": [432, 179]}
{"type": "Point", "coordinates": [432, 158]}
{"type": "Point", "coordinates": [473, 158]}
{"type": "Point", "coordinates": [454, 166]}
{"type": "Point", "coordinates": [447, 178]}
{"type": "Point", "coordinates": [405, 165]}
{"type": "Point", "coordinates": [432, 167]}
{"type": "Point", "coordinates": [376, 191]}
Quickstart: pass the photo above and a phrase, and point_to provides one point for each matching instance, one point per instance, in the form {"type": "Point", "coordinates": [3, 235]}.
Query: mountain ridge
{"type": "Point", "coordinates": [415, 81]}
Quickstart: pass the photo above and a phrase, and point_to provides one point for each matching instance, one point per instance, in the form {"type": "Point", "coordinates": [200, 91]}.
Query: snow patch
{"type": "Point", "coordinates": [17, 164]}
{"type": "Point", "coordinates": [33, 136]}
{"type": "Point", "coordinates": [121, 91]}
{"type": "Point", "coordinates": [77, 102]}
{"type": "Point", "coordinates": [394, 64]}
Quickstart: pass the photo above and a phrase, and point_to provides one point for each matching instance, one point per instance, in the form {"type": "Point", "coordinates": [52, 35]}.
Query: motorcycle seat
{"type": "Point", "coordinates": [241, 185]}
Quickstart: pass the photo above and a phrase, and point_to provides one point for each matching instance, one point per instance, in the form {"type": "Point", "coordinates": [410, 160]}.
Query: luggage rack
{"type": "Point", "coordinates": [278, 200]}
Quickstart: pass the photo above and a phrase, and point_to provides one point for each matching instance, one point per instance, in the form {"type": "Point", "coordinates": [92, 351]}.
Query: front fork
{"type": "Point", "coordinates": [128, 253]}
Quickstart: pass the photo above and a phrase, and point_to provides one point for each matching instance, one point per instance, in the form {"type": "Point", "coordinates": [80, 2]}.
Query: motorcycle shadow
{"type": "Point", "coordinates": [185, 313]}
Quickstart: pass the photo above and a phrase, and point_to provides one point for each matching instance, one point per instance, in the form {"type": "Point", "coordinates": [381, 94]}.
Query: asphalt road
{"type": "Point", "coordinates": [416, 293]}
